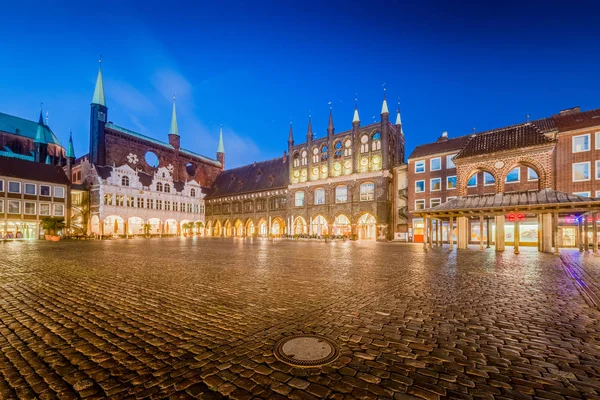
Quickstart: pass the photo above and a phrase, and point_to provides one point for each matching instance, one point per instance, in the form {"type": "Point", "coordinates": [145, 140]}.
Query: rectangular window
{"type": "Point", "coordinates": [597, 169]}
{"type": "Point", "coordinates": [419, 166]}
{"type": "Point", "coordinates": [1, 185]}
{"type": "Point", "coordinates": [44, 209]}
{"type": "Point", "coordinates": [584, 194]}
{"type": "Point", "coordinates": [29, 208]}
{"type": "Point", "coordinates": [597, 135]}
{"type": "Point", "coordinates": [14, 187]}
{"type": "Point", "coordinates": [119, 199]}
{"type": "Point", "coordinates": [581, 143]}
{"type": "Point", "coordinates": [341, 194]}
{"type": "Point", "coordinates": [514, 175]}
{"type": "Point", "coordinates": [59, 210]}
{"type": "Point", "coordinates": [451, 182]}
{"type": "Point", "coordinates": [14, 207]}
{"type": "Point", "coordinates": [581, 171]}
{"type": "Point", "coordinates": [159, 204]}
{"type": "Point", "coordinates": [435, 164]}
{"type": "Point", "coordinates": [419, 204]}
{"type": "Point", "coordinates": [108, 199]}
{"type": "Point", "coordinates": [149, 203]}
{"type": "Point", "coordinates": [450, 161]}
{"type": "Point", "coordinates": [130, 201]}
{"type": "Point", "coordinates": [435, 202]}
{"type": "Point", "coordinates": [167, 205]}
{"type": "Point", "coordinates": [472, 181]}
{"type": "Point", "coordinates": [59, 192]}
{"type": "Point", "coordinates": [1, 206]}
{"type": "Point", "coordinates": [30, 188]}
{"type": "Point", "coordinates": [419, 186]}
{"type": "Point", "coordinates": [367, 191]}
{"type": "Point", "coordinates": [532, 175]}
{"type": "Point", "coordinates": [298, 199]}
{"type": "Point", "coordinates": [435, 184]}
{"type": "Point", "coordinates": [140, 202]}
{"type": "Point", "coordinates": [450, 198]}
{"type": "Point", "coordinates": [597, 195]}
{"type": "Point", "coordinates": [175, 204]}
{"type": "Point", "coordinates": [488, 179]}
{"type": "Point", "coordinates": [319, 196]}
{"type": "Point", "coordinates": [45, 190]}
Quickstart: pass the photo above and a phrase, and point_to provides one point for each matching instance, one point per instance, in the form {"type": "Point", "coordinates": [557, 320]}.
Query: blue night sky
{"type": "Point", "coordinates": [254, 66]}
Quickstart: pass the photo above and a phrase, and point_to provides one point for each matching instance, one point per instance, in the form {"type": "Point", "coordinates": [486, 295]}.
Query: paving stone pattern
{"type": "Point", "coordinates": [184, 318]}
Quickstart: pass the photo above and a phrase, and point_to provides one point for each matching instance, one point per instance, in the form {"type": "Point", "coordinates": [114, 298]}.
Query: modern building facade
{"type": "Point", "coordinates": [30, 191]}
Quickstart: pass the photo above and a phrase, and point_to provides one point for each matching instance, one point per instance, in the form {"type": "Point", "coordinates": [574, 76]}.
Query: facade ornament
{"type": "Point", "coordinates": [132, 158]}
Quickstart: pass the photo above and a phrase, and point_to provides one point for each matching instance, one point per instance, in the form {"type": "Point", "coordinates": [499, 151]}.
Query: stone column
{"type": "Point", "coordinates": [463, 234]}
{"type": "Point", "coordinates": [425, 239]}
{"type": "Point", "coordinates": [126, 226]}
{"type": "Point", "coordinates": [540, 232]}
{"type": "Point", "coordinates": [580, 234]}
{"type": "Point", "coordinates": [481, 232]}
{"type": "Point", "coordinates": [499, 232]}
{"type": "Point", "coordinates": [595, 233]}
{"type": "Point", "coordinates": [586, 239]}
{"type": "Point", "coordinates": [430, 233]}
{"type": "Point", "coordinates": [517, 236]}
{"type": "Point", "coordinates": [555, 232]}
{"type": "Point", "coordinates": [546, 239]}
{"type": "Point", "coordinates": [450, 228]}
{"type": "Point", "coordinates": [489, 233]}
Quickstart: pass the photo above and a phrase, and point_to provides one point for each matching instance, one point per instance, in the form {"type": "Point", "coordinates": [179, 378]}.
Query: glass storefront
{"type": "Point", "coordinates": [18, 230]}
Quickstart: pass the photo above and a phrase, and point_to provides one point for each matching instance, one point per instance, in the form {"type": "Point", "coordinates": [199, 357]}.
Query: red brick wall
{"type": "Point", "coordinates": [565, 159]}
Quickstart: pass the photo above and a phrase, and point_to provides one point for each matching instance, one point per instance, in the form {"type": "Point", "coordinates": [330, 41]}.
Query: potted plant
{"type": "Point", "coordinates": [199, 225]}
{"type": "Point", "coordinates": [52, 225]}
{"type": "Point", "coordinates": [147, 228]}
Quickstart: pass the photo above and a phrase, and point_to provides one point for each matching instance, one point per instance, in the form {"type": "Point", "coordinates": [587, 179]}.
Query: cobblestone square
{"type": "Point", "coordinates": [199, 317]}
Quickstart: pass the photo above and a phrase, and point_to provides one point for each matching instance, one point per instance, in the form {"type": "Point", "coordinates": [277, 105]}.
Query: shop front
{"type": "Point", "coordinates": [19, 229]}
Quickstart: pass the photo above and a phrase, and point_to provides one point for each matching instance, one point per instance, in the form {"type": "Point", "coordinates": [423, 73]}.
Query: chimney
{"type": "Point", "coordinates": [444, 137]}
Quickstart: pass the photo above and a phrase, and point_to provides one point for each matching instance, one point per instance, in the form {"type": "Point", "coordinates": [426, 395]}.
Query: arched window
{"type": "Point", "coordinates": [347, 148]}
{"type": "Point", "coordinates": [167, 188]}
{"type": "Point", "coordinates": [367, 191]}
{"type": "Point", "coordinates": [299, 198]}
{"type": "Point", "coordinates": [304, 157]}
{"type": "Point", "coordinates": [319, 196]}
{"type": "Point", "coordinates": [324, 153]}
{"type": "Point", "coordinates": [193, 192]}
{"type": "Point", "coordinates": [376, 144]}
{"type": "Point", "coordinates": [125, 181]}
{"type": "Point", "coordinates": [296, 159]}
{"type": "Point", "coordinates": [364, 144]}
{"type": "Point", "coordinates": [159, 186]}
{"type": "Point", "coordinates": [338, 150]}
{"type": "Point", "coordinates": [315, 155]}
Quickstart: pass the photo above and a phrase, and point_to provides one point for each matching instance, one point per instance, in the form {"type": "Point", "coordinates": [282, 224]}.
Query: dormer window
{"type": "Point", "coordinates": [125, 181]}
{"type": "Point", "coordinates": [193, 192]}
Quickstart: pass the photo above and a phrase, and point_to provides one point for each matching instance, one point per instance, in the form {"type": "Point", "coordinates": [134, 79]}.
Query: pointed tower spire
{"type": "Point", "coordinates": [291, 136]}
{"type": "Point", "coordinates": [309, 133]}
{"type": "Point", "coordinates": [221, 149]}
{"type": "Point", "coordinates": [99, 90]}
{"type": "Point", "coordinates": [174, 128]}
{"type": "Point", "coordinates": [384, 107]}
{"type": "Point", "coordinates": [40, 135]}
{"type": "Point", "coordinates": [70, 149]}
{"type": "Point", "coordinates": [330, 128]}
{"type": "Point", "coordinates": [398, 120]}
{"type": "Point", "coordinates": [356, 118]}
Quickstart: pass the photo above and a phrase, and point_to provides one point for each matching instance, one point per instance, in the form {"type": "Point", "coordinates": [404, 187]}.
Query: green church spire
{"type": "Point", "coordinates": [99, 90]}
{"type": "Point", "coordinates": [221, 148]}
{"type": "Point", "coordinates": [40, 135]}
{"type": "Point", "coordinates": [174, 128]}
{"type": "Point", "coordinates": [70, 149]}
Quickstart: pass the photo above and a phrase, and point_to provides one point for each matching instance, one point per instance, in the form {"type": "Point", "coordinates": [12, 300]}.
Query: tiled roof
{"type": "Point", "coordinates": [26, 128]}
{"type": "Point", "coordinates": [577, 120]}
{"type": "Point", "coordinates": [509, 138]}
{"type": "Point", "coordinates": [256, 177]}
{"type": "Point", "coordinates": [509, 199]}
{"type": "Point", "coordinates": [440, 147]}
{"type": "Point", "coordinates": [22, 169]}
{"type": "Point", "coordinates": [126, 131]}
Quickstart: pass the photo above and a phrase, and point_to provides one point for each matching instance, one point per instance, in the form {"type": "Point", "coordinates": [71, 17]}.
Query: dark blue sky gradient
{"type": "Point", "coordinates": [254, 66]}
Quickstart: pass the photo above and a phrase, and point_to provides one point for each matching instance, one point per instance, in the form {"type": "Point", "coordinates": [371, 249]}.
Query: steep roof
{"type": "Point", "coordinates": [443, 146]}
{"type": "Point", "coordinates": [503, 139]}
{"type": "Point", "coordinates": [577, 120]}
{"type": "Point", "coordinates": [256, 177]}
{"type": "Point", "coordinates": [22, 169]}
{"type": "Point", "coordinates": [26, 128]}
{"type": "Point", "coordinates": [126, 131]}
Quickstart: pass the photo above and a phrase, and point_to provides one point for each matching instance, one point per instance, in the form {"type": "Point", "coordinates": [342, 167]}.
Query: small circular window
{"type": "Point", "coordinates": [151, 159]}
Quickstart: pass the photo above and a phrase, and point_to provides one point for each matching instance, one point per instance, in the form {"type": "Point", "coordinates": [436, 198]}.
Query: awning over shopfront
{"type": "Point", "coordinates": [546, 204]}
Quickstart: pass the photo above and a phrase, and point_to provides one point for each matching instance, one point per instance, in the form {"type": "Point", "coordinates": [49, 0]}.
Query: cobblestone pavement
{"type": "Point", "coordinates": [185, 318]}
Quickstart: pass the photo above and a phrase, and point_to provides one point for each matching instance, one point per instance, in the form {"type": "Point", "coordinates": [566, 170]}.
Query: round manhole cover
{"type": "Point", "coordinates": [306, 350]}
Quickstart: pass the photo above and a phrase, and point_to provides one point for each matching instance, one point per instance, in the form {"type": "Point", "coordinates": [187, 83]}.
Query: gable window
{"type": "Point", "coordinates": [376, 145]}
{"type": "Point", "coordinates": [319, 196]}
{"type": "Point", "coordinates": [30, 188]}
{"type": "Point", "coordinates": [581, 143]}
{"type": "Point", "coordinates": [581, 171]}
{"type": "Point", "coordinates": [167, 188]}
{"type": "Point", "coordinates": [451, 182]}
{"type": "Point", "coordinates": [299, 199]}
{"type": "Point", "coordinates": [341, 194]}
{"type": "Point", "coordinates": [419, 186]}
{"type": "Point", "coordinates": [296, 161]}
{"type": "Point", "coordinates": [125, 181]}
{"type": "Point", "coordinates": [435, 164]}
{"type": "Point", "coordinates": [488, 179]}
{"type": "Point", "coordinates": [435, 202]}
{"type": "Point", "coordinates": [514, 175]}
{"type": "Point", "coordinates": [193, 192]}
{"type": "Point", "coordinates": [364, 144]}
{"type": "Point", "coordinates": [159, 187]}
{"type": "Point", "coordinates": [450, 161]}
{"type": "Point", "coordinates": [367, 191]}
{"type": "Point", "coordinates": [472, 182]}
{"type": "Point", "coordinates": [45, 190]}
{"type": "Point", "coordinates": [59, 192]}
{"type": "Point", "coordinates": [420, 204]}
{"type": "Point", "coordinates": [532, 175]}
{"type": "Point", "coordinates": [419, 166]}
{"type": "Point", "coordinates": [14, 187]}
{"type": "Point", "coordinates": [435, 184]}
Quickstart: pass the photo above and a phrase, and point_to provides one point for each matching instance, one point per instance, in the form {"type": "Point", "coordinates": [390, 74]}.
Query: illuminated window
{"type": "Point", "coordinates": [59, 210]}
{"type": "Point", "coordinates": [125, 181]}
{"type": "Point", "coordinates": [319, 196]}
{"type": "Point", "coordinates": [364, 144]}
{"type": "Point", "coordinates": [338, 150]}
{"type": "Point", "coordinates": [29, 208]}
{"type": "Point", "coordinates": [324, 153]}
{"type": "Point", "coordinates": [376, 144]}
{"type": "Point", "coordinates": [341, 194]}
{"type": "Point", "coordinates": [44, 209]}
{"type": "Point", "coordinates": [299, 199]}
{"type": "Point", "coordinates": [304, 157]}
{"type": "Point", "coordinates": [108, 199]}
{"type": "Point", "coordinates": [296, 161]}
{"type": "Point", "coordinates": [367, 191]}
{"type": "Point", "coordinates": [315, 155]}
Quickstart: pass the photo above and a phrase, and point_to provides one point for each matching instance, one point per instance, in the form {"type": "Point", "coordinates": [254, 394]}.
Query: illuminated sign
{"type": "Point", "coordinates": [515, 217]}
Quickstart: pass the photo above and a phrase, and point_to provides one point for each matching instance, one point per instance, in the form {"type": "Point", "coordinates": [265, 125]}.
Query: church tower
{"type": "Point", "coordinates": [221, 150]}
{"type": "Point", "coordinates": [174, 139]}
{"type": "Point", "coordinates": [98, 116]}
{"type": "Point", "coordinates": [40, 142]}
{"type": "Point", "coordinates": [70, 156]}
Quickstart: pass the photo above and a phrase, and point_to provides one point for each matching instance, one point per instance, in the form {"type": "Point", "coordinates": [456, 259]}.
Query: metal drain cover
{"type": "Point", "coordinates": [306, 350]}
